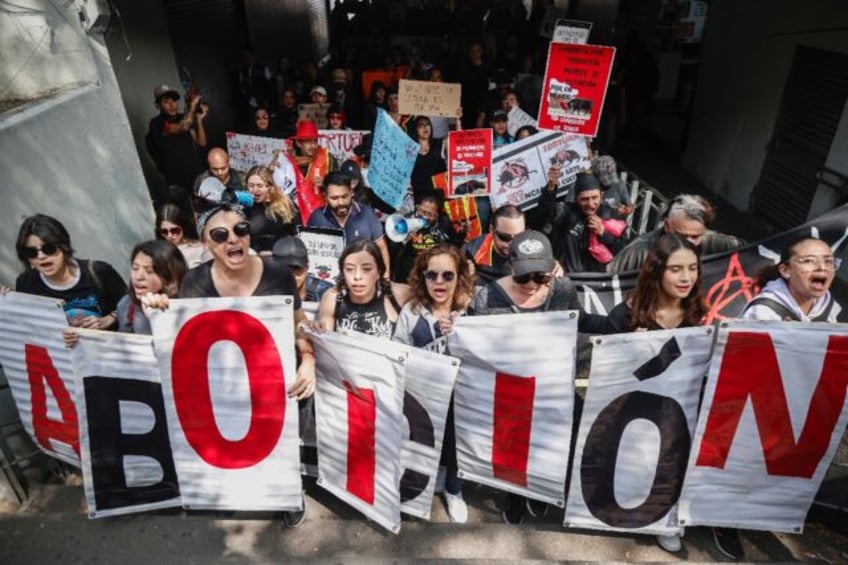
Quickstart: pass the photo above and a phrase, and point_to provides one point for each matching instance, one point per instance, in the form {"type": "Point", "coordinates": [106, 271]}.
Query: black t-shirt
{"type": "Point", "coordinates": [371, 318]}
{"type": "Point", "coordinates": [264, 232]}
{"type": "Point", "coordinates": [276, 280]}
{"type": "Point", "coordinates": [618, 321]}
{"type": "Point", "coordinates": [97, 292]}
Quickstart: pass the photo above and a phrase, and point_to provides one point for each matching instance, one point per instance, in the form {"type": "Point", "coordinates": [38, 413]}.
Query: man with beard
{"type": "Point", "coordinates": [586, 233]}
{"type": "Point", "coordinates": [488, 254]}
{"type": "Point", "coordinates": [172, 141]}
{"type": "Point", "coordinates": [341, 212]}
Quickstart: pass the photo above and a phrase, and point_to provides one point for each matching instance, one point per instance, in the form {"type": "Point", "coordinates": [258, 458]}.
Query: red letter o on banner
{"type": "Point", "coordinates": [193, 398]}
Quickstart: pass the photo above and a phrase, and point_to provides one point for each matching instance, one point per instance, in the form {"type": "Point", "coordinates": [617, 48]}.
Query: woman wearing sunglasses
{"type": "Point", "coordinates": [363, 299]}
{"type": "Point", "coordinates": [441, 288]}
{"type": "Point", "coordinates": [171, 226]}
{"type": "Point", "coordinates": [273, 214]}
{"type": "Point", "coordinates": [90, 289]}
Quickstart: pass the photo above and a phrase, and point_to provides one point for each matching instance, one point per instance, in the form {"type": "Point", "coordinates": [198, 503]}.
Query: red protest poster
{"type": "Point", "coordinates": [575, 86]}
{"type": "Point", "coordinates": [469, 162]}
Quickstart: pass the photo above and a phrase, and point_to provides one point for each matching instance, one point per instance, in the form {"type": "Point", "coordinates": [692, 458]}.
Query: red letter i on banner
{"type": "Point", "coordinates": [513, 419]}
{"type": "Point", "coordinates": [361, 442]}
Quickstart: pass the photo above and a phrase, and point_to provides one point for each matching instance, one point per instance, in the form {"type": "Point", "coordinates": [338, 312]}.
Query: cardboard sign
{"type": "Point", "coordinates": [392, 159]}
{"type": "Point", "coordinates": [325, 246]}
{"type": "Point", "coordinates": [469, 163]}
{"type": "Point", "coordinates": [575, 86]}
{"type": "Point", "coordinates": [572, 31]}
{"type": "Point", "coordinates": [247, 151]}
{"type": "Point", "coordinates": [315, 112]}
{"type": "Point", "coordinates": [424, 98]}
{"type": "Point", "coordinates": [520, 169]}
{"type": "Point", "coordinates": [340, 143]}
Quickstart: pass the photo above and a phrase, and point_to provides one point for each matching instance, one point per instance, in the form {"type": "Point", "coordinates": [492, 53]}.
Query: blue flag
{"type": "Point", "coordinates": [392, 159]}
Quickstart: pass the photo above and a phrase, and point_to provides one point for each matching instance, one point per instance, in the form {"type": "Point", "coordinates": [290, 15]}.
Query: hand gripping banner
{"type": "Point", "coordinates": [773, 414]}
{"type": "Point", "coordinates": [514, 401]}
{"type": "Point", "coordinates": [126, 453]}
{"type": "Point", "coordinates": [226, 364]}
{"type": "Point", "coordinates": [40, 371]}
{"type": "Point", "coordinates": [358, 412]}
{"type": "Point", "coordinates": [636, 429]}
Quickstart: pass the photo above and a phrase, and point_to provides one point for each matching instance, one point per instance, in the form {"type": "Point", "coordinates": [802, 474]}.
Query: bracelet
{"type": "Point", "coordinates": [309, 353]}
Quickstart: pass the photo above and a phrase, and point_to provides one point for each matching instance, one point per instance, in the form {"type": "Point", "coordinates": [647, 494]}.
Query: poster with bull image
{"type": "Point", "coordinates": [520, 169]}
{"type": "Point", "coordinates": [469, 162]}
{"type": "Point", "coordinates": [575, 85]}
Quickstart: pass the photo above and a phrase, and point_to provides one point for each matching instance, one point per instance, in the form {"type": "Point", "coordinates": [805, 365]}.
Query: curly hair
{"type": "Point", "coordinates": [464, 293]}
{"type": "Point", "coordinates": [280, 206]}
{"type": "Point", "coordinates": [644, 298]}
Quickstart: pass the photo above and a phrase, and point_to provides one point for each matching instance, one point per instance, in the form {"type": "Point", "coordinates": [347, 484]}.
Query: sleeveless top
{"type": "Point", "coordinates": [370, 318]}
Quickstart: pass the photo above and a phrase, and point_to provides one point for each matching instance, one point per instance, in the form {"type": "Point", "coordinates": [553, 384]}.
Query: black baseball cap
{"type": "Point", "coordinates": [531, 252]}
{"type": "Point", "coordinates": [291, 251]}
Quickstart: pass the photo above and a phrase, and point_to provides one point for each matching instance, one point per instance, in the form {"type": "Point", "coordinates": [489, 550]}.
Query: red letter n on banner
{"type": "Point", "coordinates": [361, 442]}
{"type": "Point", "coordinates": [513, 419]}
{"type": "Point", "coordinates": [749, 368]}
{"type": "Point", "coordinates": [193, 397]}
{"type": "Point", "coordinates": [40, 370]}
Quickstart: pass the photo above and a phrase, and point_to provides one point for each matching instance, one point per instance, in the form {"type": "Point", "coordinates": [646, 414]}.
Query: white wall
{"type": "Point", "coordinates": [747, 54]}
{"type": "Point", "coordinates": [72, 156]}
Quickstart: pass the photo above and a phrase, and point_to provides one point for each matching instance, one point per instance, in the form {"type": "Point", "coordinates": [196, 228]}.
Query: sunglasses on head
{"type": "Point", "coordinates": [165, 232]}
{"type": "Point", "coordinates": [433, 276]}
{"type": "Point", "coordinates": [47, 249]}
{"type": "Point", "coordinates": [538, 278]}
{"type": "Point", "coordinates": [505, 237]}
{"type": "Point", "coordinates": [220, 235]}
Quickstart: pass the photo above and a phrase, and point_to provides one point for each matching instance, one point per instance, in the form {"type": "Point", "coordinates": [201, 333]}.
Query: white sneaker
{"type": "Point", "coordinates": [457, 509]}
{"type": "Point", "coordinates": [670, 543]}
{"type": "Point", "coordinates": [440, 480]}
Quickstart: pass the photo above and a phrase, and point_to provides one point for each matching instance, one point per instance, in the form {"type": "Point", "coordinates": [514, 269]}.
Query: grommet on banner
{"type": "Point", "coordinates": [572, 315]}
{"type": "Point", "coordinates": [287, 301]}
{"type": "Point", "coordinates": [797, 529]}
{"type": "Point", "coordinates": [681, 522]}
{"type": "Point", "coordinates": [709, 331]}
{"type": "Point", "coordinates": [319, 481]}
{"type": "Point", "coordinates": [597, 341]}
{"type": "Point", "coordinates": [460, 474]}
{"type": "Point", "coordinates": [454, 363]}
{"type": "Point", "coordinates": [560, 503]}
{"type": "Point", "coordinates": [724, 324]}
{"type": "Point", "coordinates": [92, 514]}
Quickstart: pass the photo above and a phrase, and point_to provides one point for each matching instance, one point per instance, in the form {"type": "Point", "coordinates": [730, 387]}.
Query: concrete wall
{"type": "Point", "coordinates": [72, 156]}
{"type": "Point", "coordinates": [747, 53]}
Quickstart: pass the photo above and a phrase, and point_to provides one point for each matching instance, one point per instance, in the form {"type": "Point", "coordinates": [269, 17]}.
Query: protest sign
{"type": "Point", "coordinates": [549, 20]}
{"type": "Point", "coordinates": [727, 278]}
{"type": "Point", "coordinates": [518, 118]}
{"type": "Point", "coordinates": [770, 383]}
{"type": "Point", "coordinates": [462, 211]}
{"type": "Point", "coordinates": [575, 86]}
{"type": "Point", "coordinates": [247, 151]}
{"type": "Point", "coordinates": [512, 410]}
{"type": "Point", "coordinates": [226, 364]}
{"type": "Point", "coordinates": [317, 112]}
{"type": "Point", "coordinates": [520, 169]}
{"type": "Point", "coordinates": [127, 463]}
{"type": "Point", "coordinates": [572, 31]}
{"type": "Point", "coordinates": [636, 428]}
{"type": "Point", "coordinates": [325, 246]}
{"type": "Point", "coordinates": [469, 163]}
{"type": "Point", "coordinates": [40, 372]}
{"type": "Point", "coordinates": [425, 98]}
{"type": "Point", "coordinates": [392, 158]}
{"type": "Point", "coordinates": [340, 143]}
{"type": "Point", "coordinates": [358, 415]}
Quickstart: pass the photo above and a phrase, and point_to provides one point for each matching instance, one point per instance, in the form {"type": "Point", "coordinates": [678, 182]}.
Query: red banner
{"type": "Point", "coordinates": [469, 163]}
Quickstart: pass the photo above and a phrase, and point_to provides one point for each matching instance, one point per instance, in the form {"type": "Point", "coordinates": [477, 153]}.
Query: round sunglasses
{"type": "Point", "coordinates": [165, 232]}
{"type": "Point", "coordinates": [220, 235]}
{"type": "Point", "coordinates": [47, 249]}
{"type": "Point", "coordinates": [538, 278]}
{"type": "Point", "coordinates": [433, 276]}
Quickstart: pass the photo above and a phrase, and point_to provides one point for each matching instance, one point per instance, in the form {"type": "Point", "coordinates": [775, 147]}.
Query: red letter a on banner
{"type": "Point", "coordinates": [512, 422]}
{"type": "Point", "coordinates": [361, 442]}
{"type": "Point", "coordinates": [750, 369]}
{"type": "Point", "coordinates": [40, 370]}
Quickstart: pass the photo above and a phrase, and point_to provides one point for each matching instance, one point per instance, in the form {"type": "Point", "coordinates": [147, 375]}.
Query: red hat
{"type": "Point", "coordinates": [306, 129]}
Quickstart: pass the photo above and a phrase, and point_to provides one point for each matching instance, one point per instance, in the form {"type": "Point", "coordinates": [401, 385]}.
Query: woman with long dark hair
{"type": "Point", "coordinates": [173, 227]}
{"type": "Point", "coordinates": [430, 160]}
{"type": "Point", "coordinates": [156, 266]}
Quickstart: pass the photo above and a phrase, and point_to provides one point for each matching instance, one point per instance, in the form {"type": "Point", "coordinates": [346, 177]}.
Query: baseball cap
{"type": "Point", "coordinates": [531, 252]}
{"type": "Point", "coordinates": [319, 89]}
{"type": "Point", "coordinates": [164, 90]}
{"type": "Point", "coordinates": [605, 169]}
{"type": "Point", "coordinates": [291, 251]}
{"type": "Point", "coordinates": [586, 181]}
{"type": "Point", "coordinates": [499, 115]}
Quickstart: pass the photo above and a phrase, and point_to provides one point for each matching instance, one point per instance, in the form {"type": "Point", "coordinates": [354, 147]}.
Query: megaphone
{"type": "Point", "coordinates": [399, 228]}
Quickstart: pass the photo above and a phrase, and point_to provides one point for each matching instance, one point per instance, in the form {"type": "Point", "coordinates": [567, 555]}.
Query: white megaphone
{"type": "Point", "coordinates": [399, 228]}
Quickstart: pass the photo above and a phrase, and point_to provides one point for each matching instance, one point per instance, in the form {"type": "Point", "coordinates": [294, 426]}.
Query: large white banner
{"type": "Point", "coordinates": [247, 151]}
{"type": "Point", "coordinates": [429, 384]}
{"type": "Point", "coordinates": [40, 372]}
{"type": "Point", "coordinates": [514, 401]}
{"type": "Point", "coordinates": [340, 142]}
{"type": "Point", "coordinates": [358, 414]}
{"type": "Point", "coordinates": [774, 411]}
{"type": "Point", "coordinates": [636, 429]}
{"type": "Point", "coordinates": [226, 364]}
{"type": "Point", "coordinates": [126, 453]}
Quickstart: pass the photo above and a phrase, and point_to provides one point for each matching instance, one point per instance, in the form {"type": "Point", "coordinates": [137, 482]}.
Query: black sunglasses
{"type": "Point", "coordinates": [433, 276]}
{"type": "Point", "coordinates": [538, 278]}
{"type": "Point", "coordinates": [47, 249]}
{"type": "Point", "coordinates": [165, 232]}
{"type": "Point", "coordinates": [505, 237]}
{"type": "Point", "coordinates": [220, 235]}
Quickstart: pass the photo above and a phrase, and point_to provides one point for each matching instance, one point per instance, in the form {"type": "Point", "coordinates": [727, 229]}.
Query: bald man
{"type": "Point", "coordinates": [219, 167]}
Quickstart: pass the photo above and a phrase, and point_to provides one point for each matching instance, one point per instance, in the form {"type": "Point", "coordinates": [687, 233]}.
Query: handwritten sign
{"type": "Point", "coordinates": [575, 86]}
{"type": "Point", "coordinates": [247, 151]}
{"type": "Point", "coordinates": [572, 31]}
{"type": "Point", "coordinates": [423, 98]}
{"type": "Point", "coordinates": [340, 143]}
{"type": "Point", "coordinates": [392, 159]}
{"type": "Point", "coordinates": [325, 246]}
{"type": "Point", "coordinates": [469, 162]}
{"type": "Point", "coordinates": [315, 112]}
{"type": "Point", "coordinates": [518, 118]}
